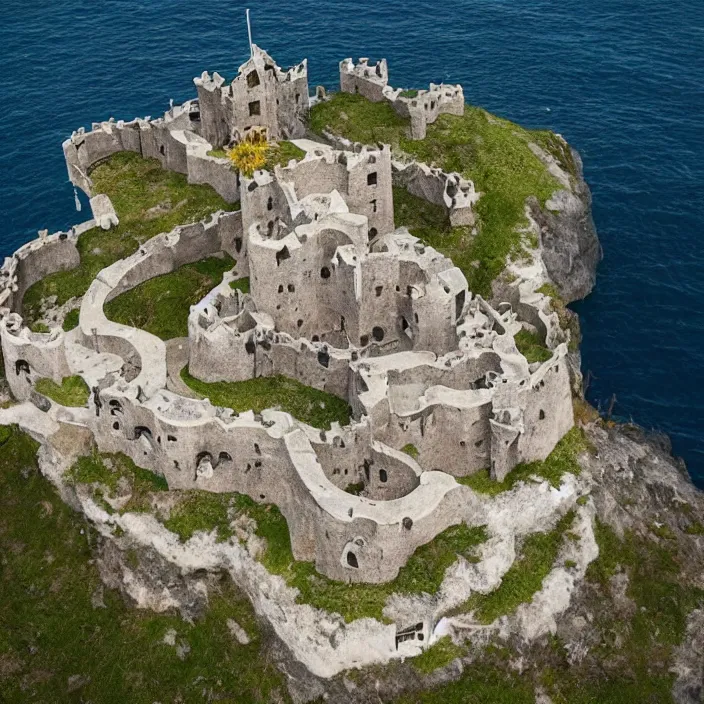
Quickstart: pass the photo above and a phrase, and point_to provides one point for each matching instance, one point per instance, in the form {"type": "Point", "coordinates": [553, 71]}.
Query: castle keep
{"type": "Point", "coordinates": [340, 299]}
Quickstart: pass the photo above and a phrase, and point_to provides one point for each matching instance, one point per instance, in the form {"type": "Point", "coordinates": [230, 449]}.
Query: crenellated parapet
{"type": "Point", "coordinates": [421, 107]}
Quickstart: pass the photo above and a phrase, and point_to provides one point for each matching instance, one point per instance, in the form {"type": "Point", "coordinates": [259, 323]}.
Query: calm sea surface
{"type": "Point", "coordinates": [622, 80]}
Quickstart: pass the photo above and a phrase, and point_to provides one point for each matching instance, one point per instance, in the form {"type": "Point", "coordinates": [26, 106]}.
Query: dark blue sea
{"type": "Point", "coordinates": [622, 80]}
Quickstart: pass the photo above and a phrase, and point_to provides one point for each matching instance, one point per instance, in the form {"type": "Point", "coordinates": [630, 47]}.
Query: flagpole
{"type": "Point", "coordinates": [249, 31]}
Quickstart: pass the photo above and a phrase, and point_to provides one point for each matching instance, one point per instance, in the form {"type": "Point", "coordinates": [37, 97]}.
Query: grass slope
{"type": "Point", "coordinates": [317, 408]}
{"type": "Point", "coordinates": [148, 201]}
{"type": "Point", "coordinates": [161, 305]}
{"type": "Point", "coordinates": [490, 151]}
{"type": "Point", "coordinates": [59, 645]}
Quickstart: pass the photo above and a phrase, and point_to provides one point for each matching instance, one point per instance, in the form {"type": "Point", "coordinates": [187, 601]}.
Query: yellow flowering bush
{"type": "Point", "coordinates": [250, 154]}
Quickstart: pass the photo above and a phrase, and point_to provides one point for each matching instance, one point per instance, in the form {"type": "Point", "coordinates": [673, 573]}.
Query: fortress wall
{"type": "Point", "coordinates": [214, 172]}
{"type": "Point", "coordinates": [30, 356]}
{"type": "Point", "coordinates": [364, 79]}
{"type": "Point", "coordinates": [246, 457]}
{"type": "Point", "coordinates": [213, 115]}
{"type": "Point", "coordinates": [392, 474]}
{"type": "Point", "coordinates": [548, 412]}
{"type": "Point", "coordinates": [293, 102]}
{"type": "Point", "coordinates": [41, 257]}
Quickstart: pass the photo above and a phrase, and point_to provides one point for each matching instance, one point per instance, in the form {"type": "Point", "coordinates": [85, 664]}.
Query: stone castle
{"type": "Point", "coordinates": [340, 300]}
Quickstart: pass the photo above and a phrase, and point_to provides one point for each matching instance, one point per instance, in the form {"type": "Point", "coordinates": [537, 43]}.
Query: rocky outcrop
{"type": "Point", "coordinates": [570, 246]}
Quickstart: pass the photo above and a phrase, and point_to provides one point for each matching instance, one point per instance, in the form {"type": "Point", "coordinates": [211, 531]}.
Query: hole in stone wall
{"type": "Point", "coordinates": [408, 523]}
{"type": "Point", "coordinates": [299, 323]}
{"type": "Point", "coordinates": [238, 244]}
{"type": "Point", "coordinates": [224, 457]}
{"type": "Point", "coordinates": [282, 255]}
{"type": "Point", "coordinates": [253, 79]}
{"type": "Point", "coordinates": [162, 150]}
{"type": "Point", "coordinates": [270, 203]}
{"type": "Point", "coordinates": [325, 273]}
{"type": "Point", "coordinates": [21, 366]}
{"type": "Point", "coordinates": [378, 333]}
{"type": "Point", "coordinates": [378, 290]}
{"type": "Point", "coordinates": [171, 438]}
{"type": "Point", "coordinates": [364, 340]}
{"type": "Point", "coordinates": [373, 204]}
{"type": "Point", "coordinates": [373, 232]}
{"type": "Point", "coordinates": [257, 451]}
{"type": "Point", "coordinates": [352, 560]}
{"type": "Point", "coordinates": [541, 415]}
{"type": "Point", "coordinates": [281, 288]}
{"type": "Point", "coordinates": [116, 426]}
{"type": "Point", "coordinates": [324, 358]}
{"type": "Point", "coordinates": [372, 179]}
{"type": "Point", "coordinates": [255, 108]}
{"type": "Point", "coordinates": [291, 288]}
{"type": "Point", "coordinates": [383, 476]}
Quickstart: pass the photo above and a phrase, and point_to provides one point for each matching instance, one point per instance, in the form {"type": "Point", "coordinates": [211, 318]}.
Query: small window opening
{"type": "Point", "coordinates": [255, 108]}
{"type": "Point", "coordinates": [325, 273]}
{"type": "Point", "coordinates": [378, 333]}
{"type": "Point", "coordinates": [372, 179]}
{"type": "Point", "coordinates": [270, 203]}
{"type": "Point", "coordinates": [352, 560]}
{"type": "Point", "coordinates": [253, 80]}
{"type": "Point", "coordinates": [378, 290]}
{"type": "Point", "coordinates": [541, 415]}
{"type": "Point", "coordinates": [383, 476]}
{"type": "Point", "coordinates": [374, 206]}
{"type": "Point", "coordinates": [373, 232]}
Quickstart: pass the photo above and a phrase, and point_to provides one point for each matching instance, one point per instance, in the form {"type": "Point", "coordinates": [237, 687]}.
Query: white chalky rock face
{"type": "Point", "coordinates": [342, 301]}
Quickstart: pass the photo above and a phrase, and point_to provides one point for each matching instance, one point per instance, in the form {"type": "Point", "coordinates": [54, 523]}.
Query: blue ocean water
{"type": "Point", "coordinates": [622, 80]}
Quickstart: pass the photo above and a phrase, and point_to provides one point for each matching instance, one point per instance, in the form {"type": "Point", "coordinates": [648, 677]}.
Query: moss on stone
{"type": "Point", "coordinates": [240, 285]}
{"type": "Point", "coordinates": [561, 460]}
{"type": "Point", "coordinates": [438, 655]}
{"type": "Point", "coordinates": [39, 327]}
{"type": "Point", "coordinates": [525, 576]}
{"type": "Point", "coordinates": [107, 472]}
{"type": "Point", "coordinates": [161, 305]}
{"type": "Point", "coordinates": [73, 391]}
{"type": "Point", "coordinates": [72, 319]}
{"type": "Point", "coordinates": [309, 405]}
{"type": "Point", "coordinates": [490, 151]}
{"type": "Point", "coordinates": [411, 450]}
{"type": "Point", "coordinates": [148, 200]}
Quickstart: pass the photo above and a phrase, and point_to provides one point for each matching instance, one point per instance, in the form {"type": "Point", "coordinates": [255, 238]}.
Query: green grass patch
{"type": "Point", "coordinates": [317, 408]}
{"type": "Point", "coordinates": [423, 573]}
{"type": "Point", "coordinates": [219, 153]}
{"type": "Point", "coordinates": [561, 460]}
{"type": "Point", "coordinates": [161, 305]}
{"type": "Point", "coordinates": [50, 630]}
{"type": "Point", "coordinates": [490, 151]}
{"type": "Point", "coordinates": [205, 511]}
{"type": "Point", "coordinates": [412, 93]}
{"type": "Point", "coordinates": [73, 392]}
{"type": "Point", "coordinates": [663, 531]}
{"type": "Point", "coordinates": [695, 528]}
{"type": "Point", "coordinates": [438, 655]}
{"type": "Point", "coordinates": [39, 327]}
{"type": "Point", "coordinates": [282, 153]}
{"type": "Point", "coordinates": [524, 578]}
{"type": "Point", "coordinates": [531, 347]}
{"type": "Point", "coordinates": [108, 472]}
{"type": "Point", "coordinates": [411, 450]}
{"type": "Point", "coordinates": [72, 319]}
{"type": "Point", "coordinates": [567, 319]}
{"type": "Point", "coordinates": [148, 201]}
{"type": "Point", "coordinates": [240, 285]}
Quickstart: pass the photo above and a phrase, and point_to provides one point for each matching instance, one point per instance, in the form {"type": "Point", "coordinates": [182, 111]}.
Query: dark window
{"type": "Point", "coordinates": [364, 340]}
{"type": "Point", "coordinates": [352, 560]}
{"type": "Point", "coordinates": [253, 80]}
{"type": "Point", "coordinates": [373, 204]}
{"type": "Point", "coordinates": [378, 333]}
{"type": "Point", "coordinates": [21, 366]}
{"type": "Point", "coordinates": [325, 273]}
{"type": "Point", "coordinates": [270, 203]}
{"type": "Point", "coordinates": [116, 426]}
{"type": "Point", "coordinates": [541, 415]}
{"type": "Point", "coordinates": [162, 149]}
{"type": "Point", "coordinates": [378, 290]}
{"type": "Point", "coordinates": [255, 108]}
{"type": "Point", "coordinates": [372, 179]}
{"type": "Point", "coordinates": [282, 255]}
{"type": "Point", "coordinates": [373, 232]}
{"type": "Point", "coordinates": [383, 476]}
